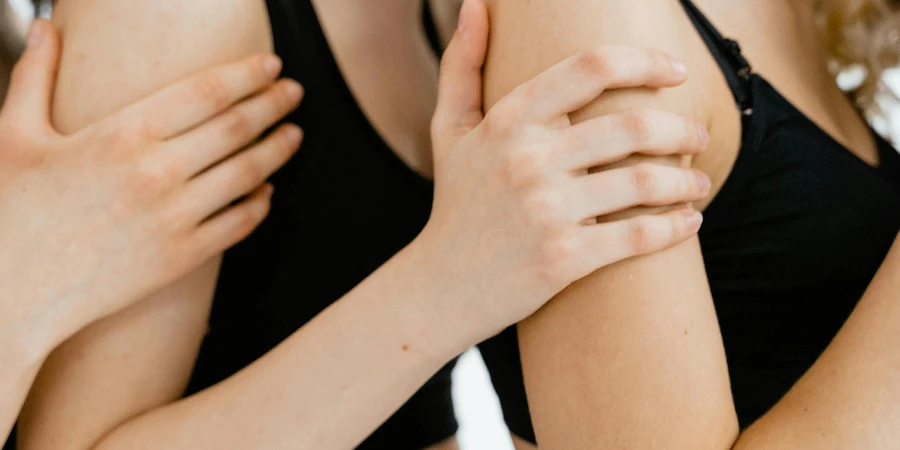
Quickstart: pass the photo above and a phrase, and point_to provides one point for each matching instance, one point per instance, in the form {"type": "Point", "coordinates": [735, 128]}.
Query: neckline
{"type": "Point", "coordinates": [881, 145]}
{"type": "Point", "coordinates": [739, 75]}
{"type": "Point", "coordinates": [752, 137]}
{"type": "Point", "coordinates": [416, 178]}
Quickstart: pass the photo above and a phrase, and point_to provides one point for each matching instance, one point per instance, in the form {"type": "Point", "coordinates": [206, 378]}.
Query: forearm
{"type": "Point", "coordinates": [330, 384]}
{"type": "Point", "coordinates": [850, 398]}
{"type": "Point", "coordinates": [28, 333]}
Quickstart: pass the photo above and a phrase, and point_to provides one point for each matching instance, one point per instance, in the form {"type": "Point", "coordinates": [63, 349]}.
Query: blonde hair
{"type": "Point", "coordinates": [863, 34]}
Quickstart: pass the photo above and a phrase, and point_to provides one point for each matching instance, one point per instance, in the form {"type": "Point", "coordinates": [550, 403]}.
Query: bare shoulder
{"type": "Point", "coordinates": [117, 51]}
{"type": "Point", "coordinates": [527, 37]}
{"type": "Point", "coordinates": [550, 30]}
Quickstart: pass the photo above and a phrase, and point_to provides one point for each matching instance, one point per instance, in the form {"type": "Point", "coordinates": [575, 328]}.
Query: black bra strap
{"type": "Point", "coordinates": [727, 53]}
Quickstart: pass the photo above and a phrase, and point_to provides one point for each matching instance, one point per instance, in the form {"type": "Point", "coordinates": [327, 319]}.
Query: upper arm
{"type": "Point", "coordinates": [631, 356]}
{"type": "Point", "coordinates": [116, 52]}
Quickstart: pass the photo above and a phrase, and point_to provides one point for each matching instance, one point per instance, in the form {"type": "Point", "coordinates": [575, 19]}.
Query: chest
{"type": "Point", "coordinates": [390, 68]}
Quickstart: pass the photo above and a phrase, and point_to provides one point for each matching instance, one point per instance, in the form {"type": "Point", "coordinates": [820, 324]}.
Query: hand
{"type": "Point", "coordinates": [92, 222]}
{"type": "Point", "coordinates": [514, 217]}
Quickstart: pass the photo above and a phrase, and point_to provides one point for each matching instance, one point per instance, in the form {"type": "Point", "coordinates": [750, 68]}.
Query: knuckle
{"type": "Point", "coordinates": [645, 180]}
{"type": "Point", "coordinates": [130, 137]}
{"type": "Point", "coordinates": [524, 166]}
{"type": "Point", "coordinates": [642, 236]}
{"type": "Point", "coordinates": [596, 62]}
{"type": "Point", "coordinates": [212, 90]}
{"type": "Point", "coordinates": [238, 126]}
{"type": "Point", "coordinates": [249, 175]}
{"type": "Point", "coordinates": [638, 235]}
{"type": "Point", "coordinates": [152, 178]}
{"type": "Point", "coordinates": [636, 124]}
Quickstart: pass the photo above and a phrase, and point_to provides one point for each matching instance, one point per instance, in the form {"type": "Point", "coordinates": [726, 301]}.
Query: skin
{"type": "Point", "coordinates": [668, 386]}
{"type": "Point", "coordinates": [89, 223]}
{"type": "Point", "coordinates": [410, 316]}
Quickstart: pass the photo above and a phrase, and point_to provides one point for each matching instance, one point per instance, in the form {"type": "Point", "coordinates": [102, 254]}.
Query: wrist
{"type": "Point", "coordinates": [23, 348]}
{"type": "Point", "coordinates": [439, 297]}
{"type": "Point", "coordinates": [29, 332]}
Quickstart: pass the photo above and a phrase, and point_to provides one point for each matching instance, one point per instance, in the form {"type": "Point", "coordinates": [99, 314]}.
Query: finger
{"type": "Point", "coordinates": [234, 224]}
{"type": "Point", "coordinates": [614, 137]}
{"type": "Point", "coordinates": [234, 129]}
{"type": "Point", "coordinates": [33, 79]}
{"type": "Point", "coordinates": [198, 98]}
{"type": "Point", "coordinates": [612, 242]}
{"type": "Point", "coordinates": [242, 173]}
{"type": "Point", "coordinates": [605, 192]}
{"type": "Point", "coordinates": [573, 83]}
{"type": "Point", "coordinates": [460, 102]}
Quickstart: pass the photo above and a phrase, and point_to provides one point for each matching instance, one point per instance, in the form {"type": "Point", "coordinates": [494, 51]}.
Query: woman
{"type": "Point", "coordinates": [346, 232]}
{"type": "Point", "coordinates": [806, 210]}
{"type": "Point", "coordinates": [83, 217]}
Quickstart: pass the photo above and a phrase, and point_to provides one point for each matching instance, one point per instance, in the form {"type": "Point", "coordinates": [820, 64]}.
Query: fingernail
{"type": "Point", "coordinates": [36, 34]}
{"type": "Point", "coordinates": [703, 182]}
{"type": "Point", "coordinates": [272, 65]}
{"type": "Point", "coordinates": [704, 136]}
{"type": "Point", "coordinates": [270, 189]}
{"type": "Point", "coordinates": [693, 219]}
{"type": "Point", "coordinates": [463, 17]}
{"type": "Point", "coordinates": [678, 66]}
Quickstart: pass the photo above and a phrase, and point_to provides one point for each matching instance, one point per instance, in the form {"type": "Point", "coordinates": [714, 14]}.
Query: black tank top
{"type": "Point", "coordinates": [794, 237]}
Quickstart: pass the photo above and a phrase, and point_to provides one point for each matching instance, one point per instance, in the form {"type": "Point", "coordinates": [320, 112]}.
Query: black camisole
{"type": "Point", "coordinates": [793, 238]}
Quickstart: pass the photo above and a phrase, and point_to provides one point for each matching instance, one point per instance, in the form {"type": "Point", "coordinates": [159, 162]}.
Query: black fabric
{"type": "Point", "coordinates": [792, 240]}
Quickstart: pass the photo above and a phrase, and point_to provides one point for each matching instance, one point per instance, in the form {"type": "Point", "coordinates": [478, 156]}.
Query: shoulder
{"type": "Point", "coordinates": [528, 37]}
{"type": "Point", "coordinates": [549, 31]}
{"type": "Point", "coordinates": [117, 51]}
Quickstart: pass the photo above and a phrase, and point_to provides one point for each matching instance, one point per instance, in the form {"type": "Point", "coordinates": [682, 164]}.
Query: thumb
{"type": "Point", "coordinates": [460, 103]}
{"type": "Point", "coordinates": [34, 77]}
